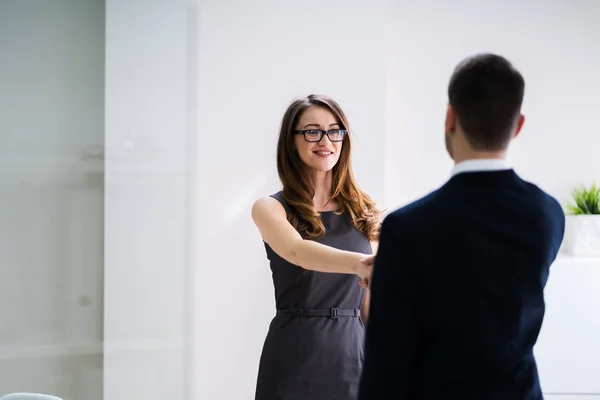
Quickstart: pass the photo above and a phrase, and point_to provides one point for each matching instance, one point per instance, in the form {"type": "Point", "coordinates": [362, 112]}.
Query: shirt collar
{"type": "Point", "coordinates": [480, 165]}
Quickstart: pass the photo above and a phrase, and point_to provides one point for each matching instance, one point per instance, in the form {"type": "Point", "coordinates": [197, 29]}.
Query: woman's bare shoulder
{"type": "Point", "coordinates": [266, 205]}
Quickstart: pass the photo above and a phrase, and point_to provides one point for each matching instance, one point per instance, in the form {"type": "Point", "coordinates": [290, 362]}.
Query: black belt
{"type": "Point", "coordinates": [332, 313]}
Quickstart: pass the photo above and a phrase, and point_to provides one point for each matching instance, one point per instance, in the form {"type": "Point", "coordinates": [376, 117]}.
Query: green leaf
{"type": "Point", "coordinates": [586, 201]}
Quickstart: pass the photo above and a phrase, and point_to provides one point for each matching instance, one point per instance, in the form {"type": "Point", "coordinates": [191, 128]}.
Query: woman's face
{"type": "Point", "coordinates": [321, 155]}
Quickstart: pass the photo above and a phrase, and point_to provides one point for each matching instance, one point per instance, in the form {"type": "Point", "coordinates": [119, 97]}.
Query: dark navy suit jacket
{"type": "Point", "coordinates": [457, 294]}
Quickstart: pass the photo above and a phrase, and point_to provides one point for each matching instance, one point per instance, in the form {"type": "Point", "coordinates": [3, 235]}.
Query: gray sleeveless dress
{"type": "Point", "coordinates": [314, 347]}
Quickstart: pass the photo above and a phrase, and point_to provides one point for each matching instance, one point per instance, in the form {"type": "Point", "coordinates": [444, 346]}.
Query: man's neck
{"type": "Point", "coordinates": [480, 155]}
{"type": "Point", "coordinates": [480, 165]}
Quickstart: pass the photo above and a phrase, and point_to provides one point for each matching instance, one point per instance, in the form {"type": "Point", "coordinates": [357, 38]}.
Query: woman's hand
{"type": "Point", "coordinates": [366, 270]}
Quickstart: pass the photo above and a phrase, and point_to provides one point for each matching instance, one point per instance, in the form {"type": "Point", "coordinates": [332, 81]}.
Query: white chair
{"type": "Point", "coordinates": [29, 396]}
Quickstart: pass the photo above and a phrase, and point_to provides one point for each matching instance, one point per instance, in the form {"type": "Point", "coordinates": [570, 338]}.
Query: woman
{"type": "Point", "coordinates": [316, 232]}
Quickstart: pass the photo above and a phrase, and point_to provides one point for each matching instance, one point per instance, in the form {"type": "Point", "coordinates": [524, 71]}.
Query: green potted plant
{"type": "Point", "coordinates": [583, 229]}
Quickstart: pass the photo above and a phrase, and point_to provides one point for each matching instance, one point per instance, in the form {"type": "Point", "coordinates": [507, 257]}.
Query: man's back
{"type": "Point", "coordinates": [477, 254]}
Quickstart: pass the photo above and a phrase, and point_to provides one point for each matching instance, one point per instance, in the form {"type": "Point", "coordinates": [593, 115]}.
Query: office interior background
{"type": "Point", "coordinates": [137, 134]}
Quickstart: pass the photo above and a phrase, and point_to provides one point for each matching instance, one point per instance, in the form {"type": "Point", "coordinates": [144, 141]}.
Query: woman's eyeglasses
{"type": "Point", "coordinates": [315, 135]}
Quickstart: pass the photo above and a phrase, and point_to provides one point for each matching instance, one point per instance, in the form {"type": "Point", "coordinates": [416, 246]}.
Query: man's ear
{"type": "Point", "coordinates": [451, 120]}
{"type": "Point", "coordinates": [519, 125]}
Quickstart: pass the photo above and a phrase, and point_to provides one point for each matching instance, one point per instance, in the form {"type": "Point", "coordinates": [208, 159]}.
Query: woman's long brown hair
{"type": "Point", "coordinates": [298, 189]}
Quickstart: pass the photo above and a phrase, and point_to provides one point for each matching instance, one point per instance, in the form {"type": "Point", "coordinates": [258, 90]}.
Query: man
{"type": "Point", "coordinates": [457, 291]}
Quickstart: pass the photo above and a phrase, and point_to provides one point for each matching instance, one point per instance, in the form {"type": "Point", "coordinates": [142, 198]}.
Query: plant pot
{"type": "Point", "coordinates": [582, 235]}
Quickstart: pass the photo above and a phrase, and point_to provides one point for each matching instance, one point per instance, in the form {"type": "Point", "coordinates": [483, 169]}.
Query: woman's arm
{"type": "Point", "coordinates": [270, 219]}
{"type": "Point", "coordinates": [364, 310]}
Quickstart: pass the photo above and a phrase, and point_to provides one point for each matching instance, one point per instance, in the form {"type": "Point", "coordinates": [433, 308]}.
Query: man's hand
{"type": "Point", "coordinates": [367, 262]}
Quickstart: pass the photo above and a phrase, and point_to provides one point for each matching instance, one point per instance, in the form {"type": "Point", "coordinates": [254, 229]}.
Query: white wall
{"type": "Point", "coordinates": [51, 197]}
{"type": "Point", "coordinates": [254, 59]}
{"type": "Point", "coordinates": [554, 46]}
{"type": "Point", "coordinates": [568, 350]}
{"type": "Point", "coordinates": [147, 94]}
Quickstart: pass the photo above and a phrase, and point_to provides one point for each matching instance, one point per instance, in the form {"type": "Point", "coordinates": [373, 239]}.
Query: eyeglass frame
{"type": "Point", "coordinates": [322, 134]}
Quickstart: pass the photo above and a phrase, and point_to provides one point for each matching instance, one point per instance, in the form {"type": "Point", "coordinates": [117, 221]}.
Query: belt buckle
{"type": "Point", "coordinates": [334, 313]}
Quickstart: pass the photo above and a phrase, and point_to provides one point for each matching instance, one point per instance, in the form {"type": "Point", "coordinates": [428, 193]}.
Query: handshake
{"type": "Point", "coordinates": [365, 270]}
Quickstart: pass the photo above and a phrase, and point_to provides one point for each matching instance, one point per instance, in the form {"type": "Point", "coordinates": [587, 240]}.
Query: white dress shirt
{"type": "Point", "coordinates": [492, 164]}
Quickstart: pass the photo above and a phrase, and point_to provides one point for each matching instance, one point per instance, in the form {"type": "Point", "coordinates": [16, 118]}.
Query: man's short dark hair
{"type": "Point", "coordinates": [487, 93]}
